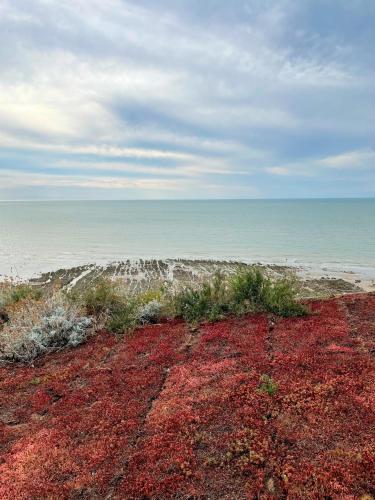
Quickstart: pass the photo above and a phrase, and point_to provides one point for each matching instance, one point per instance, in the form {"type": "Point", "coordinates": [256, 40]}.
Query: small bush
{"type": "Point", "coordinates": [11, 293]}
{"type": "Point", "coordinates": [129, 314]}
{"type": "Point", "coordinates": [150, 312]}
{"type": "Point", "coordinates": [119, 310]}
{"type": "Point", "coordinates": [249, 289]}
{"type": "Point", "coordinates": [280, 298]}
{"type": "Point", "coordinates": [41, 327]}
{"type": "Point", "coordinates": [268, 385]}
{"type": "Point", "coordinates": [158, 294]}
{"type": "Point", "coordinates": [60, 327]}
{"type": "Point", "coordinates": [103, 297]}
{"type": "Point", "coordinates": [252, 291]}
{"type": "Point", "coordinates": [22, 292]}
{"type": "Point", "coordinates": [207, 302]}
{"type": "Point", "coordinates": [123, 317]}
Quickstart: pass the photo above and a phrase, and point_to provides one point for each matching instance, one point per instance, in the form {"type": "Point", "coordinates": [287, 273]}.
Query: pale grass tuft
{"type": "Point", "coordinates": [40, 326]}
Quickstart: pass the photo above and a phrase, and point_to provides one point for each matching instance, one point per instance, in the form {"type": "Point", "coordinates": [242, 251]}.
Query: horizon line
{"type": "Point", "coordinates": [187, 199]}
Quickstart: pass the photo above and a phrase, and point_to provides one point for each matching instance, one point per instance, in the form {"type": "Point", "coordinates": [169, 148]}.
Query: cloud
{"type": "Point", "coordinates": [187, 170]}
{"type": "Point", "coordinates": [185, 89]}
{"type": "Point", "coordinates": [278, 170]}
{"type": "Point", "coordinates": [8, 179]}
{"type": "Point", "coordinates": [107, 187]}
{"type": "Point", "coordinates": [102, 150]}
{"type": "Point", "coordinates": [321, 170]}
{"type": "Point", "coordinates": [108, 183]}
{"type": "Point", "coordinates": [351, 159]}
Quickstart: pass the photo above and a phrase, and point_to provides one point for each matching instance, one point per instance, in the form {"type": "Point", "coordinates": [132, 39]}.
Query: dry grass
{"type": "Point", "coordinates": [37, 326]}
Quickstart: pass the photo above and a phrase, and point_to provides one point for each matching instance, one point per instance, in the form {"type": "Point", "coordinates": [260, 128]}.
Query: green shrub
{"type": "Point", "coordinates": [152, 294]}
{"type": "Point", "coordinates": [207, 302]}
{"type": "Point", "coordinates": [252, 291]}
{"type": "Point", "coordinates": [280, 298]}
{"type": "Point", "coordinates": [103, 297]}
{"type": "Point", "coordinates": [21, 292]}
{"type": "Point", "coordinates": [268, 385]}
{"type": "Point", "coordinates": [120, 310]}
{"type": "Point", "coordinates": [123, 317]}
{"type": "Point", "coordinates": [11, 294]}
{"type": "Point", "coordinates": [249, 289]}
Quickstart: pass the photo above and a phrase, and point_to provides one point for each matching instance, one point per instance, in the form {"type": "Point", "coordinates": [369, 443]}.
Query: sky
{"type": "Point", "coordinates": [187, 99]}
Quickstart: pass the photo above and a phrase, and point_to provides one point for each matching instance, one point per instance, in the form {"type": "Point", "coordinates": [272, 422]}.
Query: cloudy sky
{"type": "Point", "coordinates": [121, 99]}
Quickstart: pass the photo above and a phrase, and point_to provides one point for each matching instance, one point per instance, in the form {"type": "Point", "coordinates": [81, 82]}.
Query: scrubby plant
{"type": "Point", "coordinates": [150, 312]}
{"type": "Point", "coordinates": [268, 385]}
{"type": "Point", "coordinates": [60, 327]}
{"type": "Point", "coordinates": [21, 292]}
{"type": "Point", "coordinates": [11, 293]}
{"type": "Point", "coordinates": [280, 298]}
{"type": "Point", "coordinates": [123, 317]}
{"type": "Point", "coordinates": [159, 294]}
{"type": "Point", "coordinates": [129, 314]}
{"type": "Point", "coordinates": [208, 301]}
{"type": "Point", "coordinates": [117, 308]}
{"type": "Point", "coordinates": [253, 291]}
{"type": "Point", "coordinates": [103, 297]}
{"type": "Point", "coordinates": [249, 289]}
{"type": "Point", "coordinates": [38, 328]}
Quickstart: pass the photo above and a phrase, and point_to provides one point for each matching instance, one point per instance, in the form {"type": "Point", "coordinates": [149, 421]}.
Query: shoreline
{"type": "Point", "coordinates": [364, 281]}
{"type": "Point", "coordinates": [318, 280]}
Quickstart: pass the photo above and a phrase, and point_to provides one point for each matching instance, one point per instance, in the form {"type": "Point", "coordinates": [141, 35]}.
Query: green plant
{"type": "Point", "coordinates": [123, 317]}
{"type": "Point", "coordinates": [280, 298]}
{"type": "Point", "coordinates": [21, 292]}
{"type": "Point", "coordinates": [120, 310]}
{"type": "Point", "coordinates": [252, 291]}
{"type": "Point", "coordinates": [268, 385]}
{"type": "Point", "coordinates": [249, 289]}
{"type": "Point", "coordinates": [103, 297]}
{"type": "Point", "coordinates": [151, 294]}
{"type": "Point", "coordinates": [11, 293]}
{"type": "Point", "coordinates": [207, 302]}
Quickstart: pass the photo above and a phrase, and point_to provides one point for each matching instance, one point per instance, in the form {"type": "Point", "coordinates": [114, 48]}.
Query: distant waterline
{"type": "Point", "coordinates": [44, 236]}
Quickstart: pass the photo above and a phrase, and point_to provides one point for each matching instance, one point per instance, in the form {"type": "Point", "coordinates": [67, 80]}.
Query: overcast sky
{"type": "Point", "coordinates": [117, 99]}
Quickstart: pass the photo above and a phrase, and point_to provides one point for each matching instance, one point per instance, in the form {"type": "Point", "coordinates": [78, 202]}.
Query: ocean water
{"type": "Point", "coordinates": [45, 236]}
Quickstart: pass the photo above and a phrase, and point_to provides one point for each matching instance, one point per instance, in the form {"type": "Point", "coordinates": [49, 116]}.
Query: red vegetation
{"type": "Point", "coordinates": [171, 412]}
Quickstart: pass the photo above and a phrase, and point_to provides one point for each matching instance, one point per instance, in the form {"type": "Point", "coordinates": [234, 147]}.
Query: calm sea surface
{"type": "Point", "coordinates": [43, 236]}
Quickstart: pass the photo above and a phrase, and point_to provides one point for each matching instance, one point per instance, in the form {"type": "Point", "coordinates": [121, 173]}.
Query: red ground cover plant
{"type": "Point", "coordinates": [205, 433]}
{"type": "Point", "coordinates": [256, 407]}
{"type": "Point", "coordinates": [68, 423]}
{"type": "Point", "coordinates": [325, 423]}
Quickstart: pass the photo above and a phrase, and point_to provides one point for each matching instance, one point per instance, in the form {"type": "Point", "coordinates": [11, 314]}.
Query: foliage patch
{"type": "Point", "coordinates": [143, 417]}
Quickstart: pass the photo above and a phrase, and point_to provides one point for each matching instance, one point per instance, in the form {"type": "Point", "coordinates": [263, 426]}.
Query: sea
{"type": "Point", "coordinates": [41, 236]}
